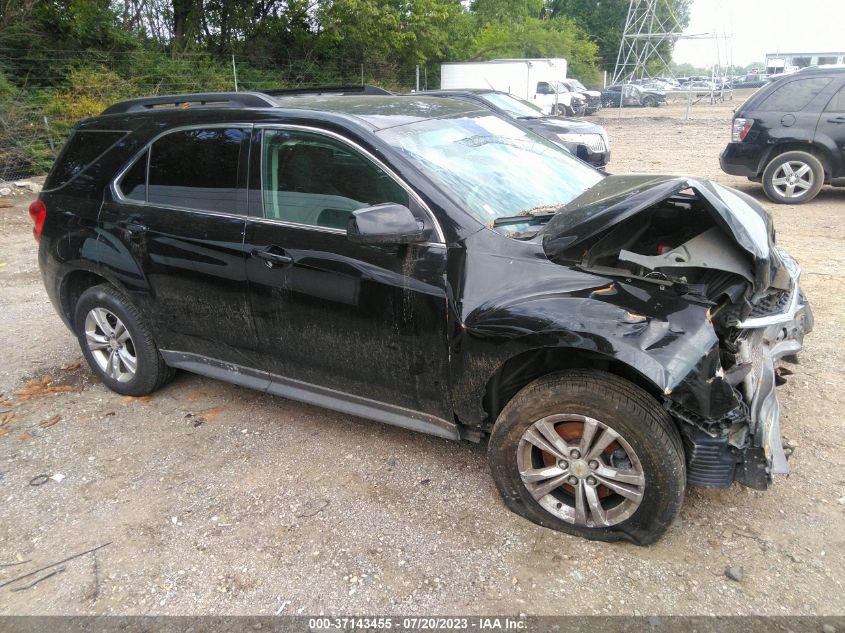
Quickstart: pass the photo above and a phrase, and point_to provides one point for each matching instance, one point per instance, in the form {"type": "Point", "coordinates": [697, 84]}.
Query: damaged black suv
{"type": "Point", "coordinates": [425, 263]}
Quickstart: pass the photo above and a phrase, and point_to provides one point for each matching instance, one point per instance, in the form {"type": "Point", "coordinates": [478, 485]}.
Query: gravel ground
{"type": "Point", "coordinates": [217, 499]}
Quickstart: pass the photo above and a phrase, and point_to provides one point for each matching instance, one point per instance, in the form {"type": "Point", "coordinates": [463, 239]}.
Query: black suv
{"type": "Point", "coordinates": [583, 139]}
{"type": "Point", "coordinates": [790, 135]}
{"type": "Point", "coordinates": [425, 263]}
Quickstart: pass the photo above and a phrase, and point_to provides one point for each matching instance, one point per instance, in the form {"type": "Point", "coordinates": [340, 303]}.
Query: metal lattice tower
{"type": "Point", "coordinates": [649, 26]}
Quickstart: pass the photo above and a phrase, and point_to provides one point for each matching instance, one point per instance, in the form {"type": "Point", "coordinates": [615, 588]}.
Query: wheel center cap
{"type": "Point", "coordinates": [113, 344]}
{"type": "Point", "coordinates": [579, 468]}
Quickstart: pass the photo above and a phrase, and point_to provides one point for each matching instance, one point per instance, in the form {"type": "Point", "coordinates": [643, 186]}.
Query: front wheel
{"type": "Point", "coordinates": [793, 178]}
{"type": "Point", "coordinates": [649, 101]}
{"type": "Point", "coordinates": [589, 454]}
{"type": "Point", "coordinates": [117, 343]}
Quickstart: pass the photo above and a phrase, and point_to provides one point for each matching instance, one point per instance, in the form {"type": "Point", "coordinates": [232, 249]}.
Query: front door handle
{"type": "Point", "coordinates": [270, 257]}
{"type": "Point", "coordinates": [838, 119]}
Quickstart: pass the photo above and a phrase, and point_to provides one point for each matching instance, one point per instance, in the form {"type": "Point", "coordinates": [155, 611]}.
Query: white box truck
{"type": "Point", "coordinates": [535, 80]}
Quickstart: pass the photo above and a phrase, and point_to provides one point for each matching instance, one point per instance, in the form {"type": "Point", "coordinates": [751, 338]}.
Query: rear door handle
{"type": "Point", "coordinates": [838, 119]}
{"type": "Point", "coordinates": [271, 256]}
{"type": "Point", "coordinates": [135, 229]}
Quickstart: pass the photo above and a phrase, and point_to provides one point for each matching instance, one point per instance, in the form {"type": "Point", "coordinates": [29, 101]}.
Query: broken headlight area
{"type": "Point", "coordinates": [714, 248]}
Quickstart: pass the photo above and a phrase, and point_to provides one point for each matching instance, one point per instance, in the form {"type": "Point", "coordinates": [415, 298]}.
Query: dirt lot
{"type": "Point", "coordinates": [259, 505]}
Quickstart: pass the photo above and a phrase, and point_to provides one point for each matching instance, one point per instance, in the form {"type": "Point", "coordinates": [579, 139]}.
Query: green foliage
{"type": "Point", "coordinates": [558, 37]}
{"type": "Point", "coordinates": [67, 59]}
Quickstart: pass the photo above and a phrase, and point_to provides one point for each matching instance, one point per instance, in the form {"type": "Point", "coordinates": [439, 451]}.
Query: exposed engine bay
{"type": "Point", "coordinates": [722, 257]}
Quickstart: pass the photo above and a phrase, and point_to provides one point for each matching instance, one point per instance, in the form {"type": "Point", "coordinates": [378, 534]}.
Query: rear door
{"type": "Point", "coordinates": [831, 131]}
{"type": "Point", "coordinates": [791, 109]}
{"type": "Point", "coordinates": [172, 232]}
{"type": "Point", "coordinates": [363, 320]}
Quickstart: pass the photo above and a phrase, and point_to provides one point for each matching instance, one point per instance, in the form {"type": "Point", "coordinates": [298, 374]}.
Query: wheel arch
{"type": "Point", "coordinates": [529, 365]}
{"type": "Point", "coordinates": [76, 281]}
{"type": "Point", "coordinates": [819, 151]}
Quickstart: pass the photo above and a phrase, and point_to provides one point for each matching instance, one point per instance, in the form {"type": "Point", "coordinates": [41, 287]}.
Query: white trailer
{"type": "Point", "coordinates": [536, 80]}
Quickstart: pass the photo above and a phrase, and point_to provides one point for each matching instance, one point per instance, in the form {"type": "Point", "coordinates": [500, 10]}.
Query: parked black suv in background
{"type": "Point", "coordinates": [423, 262]}
{"type": "Point", "coordinates": [790, 135]}
{"type": "Point", "coordinates": [583, 139]}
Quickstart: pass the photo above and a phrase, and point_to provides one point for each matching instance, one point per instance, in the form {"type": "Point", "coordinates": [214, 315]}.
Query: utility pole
{"type": "Point", "coordinates": [650, 25]}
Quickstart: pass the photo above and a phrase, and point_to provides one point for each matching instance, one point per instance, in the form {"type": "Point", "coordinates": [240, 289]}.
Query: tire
{"type": "Point", "coordinates": [649, 101]}
{"type": "Point", "coordinates": [566, 400]}
{"type": "Point", "coordinates": [807, 170]}
{"type": "Point", "coordinates": [112, 336]}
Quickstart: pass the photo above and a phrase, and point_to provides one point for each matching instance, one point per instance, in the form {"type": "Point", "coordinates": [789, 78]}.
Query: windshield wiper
{"type": "Point", "coordinates": [534, 218]}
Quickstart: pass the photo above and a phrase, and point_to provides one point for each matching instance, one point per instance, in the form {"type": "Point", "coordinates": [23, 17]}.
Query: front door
{"type": "Point", "coordinates": [172, 232]}
{"type": "Point", "coordinates": [365, 320]}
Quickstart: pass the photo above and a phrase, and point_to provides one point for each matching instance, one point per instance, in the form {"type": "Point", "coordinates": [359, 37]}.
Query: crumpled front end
{"type": "Point", "coordinates": [773, 333]}
{"type": "Point", "coordinates": [711, 247]}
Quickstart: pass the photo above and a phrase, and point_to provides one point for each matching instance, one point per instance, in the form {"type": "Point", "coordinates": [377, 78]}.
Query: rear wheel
{"type": "Point", "coordinates": [793, 178]}
{"type": "Point", "coordinates": [117, 343]}
{"type": "Point", "coordinates": [650, 101]}
{"type": "Point", "coordinates": [589, 454]}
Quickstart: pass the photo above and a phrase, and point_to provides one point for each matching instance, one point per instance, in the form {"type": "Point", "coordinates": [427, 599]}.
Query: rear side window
{"type": "Point", "coordinates": [198, 169]}
{"type": "Point", "coordinates": [837, 104]}
{"type": "Point", "coordinates": [793, 96]}
{"type": "Point", "coordinates": [80, 151]}
{"type": "Point", "coordinates": [134, 184]}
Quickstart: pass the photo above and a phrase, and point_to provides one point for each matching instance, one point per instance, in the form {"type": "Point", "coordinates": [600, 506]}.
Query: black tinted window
{"type": "Point", "coordinates": [133, 185]}
{"type": "Point", "coordinates": [837, 104]}
{"type": "Point", "coordinates": [81, 149]}
{"type": "Point", "coordinates": [197, 169]}
{"type": "Point", "coordinates": [793, 96]}
{"type": "Point", "coordinates": [316, 180]}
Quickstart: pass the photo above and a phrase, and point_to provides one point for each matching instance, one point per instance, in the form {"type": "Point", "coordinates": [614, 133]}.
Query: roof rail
{"type": "Point", "coordinates": [204, 99]}
{"type": "Point", "coordinates": [352, 89]}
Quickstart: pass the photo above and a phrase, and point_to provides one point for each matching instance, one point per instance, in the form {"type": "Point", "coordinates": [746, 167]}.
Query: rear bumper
{"type": "Point", "coordinates": [741, 159]}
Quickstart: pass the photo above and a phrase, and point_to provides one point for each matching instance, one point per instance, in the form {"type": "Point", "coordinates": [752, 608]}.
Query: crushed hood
{"type": "Point", "coordinates": [617, 198]}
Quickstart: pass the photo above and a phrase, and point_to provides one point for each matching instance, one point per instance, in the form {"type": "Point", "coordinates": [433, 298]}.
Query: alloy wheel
{"type": "Point", "coordinates": [110, 344]}
{"type": "Point", "coordinates": [793, 179]}
{"type": "Point", "coordinates": [580, 470]}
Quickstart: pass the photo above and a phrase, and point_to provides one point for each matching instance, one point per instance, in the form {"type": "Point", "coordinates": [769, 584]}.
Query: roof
{"type": "Point", "coordinates": [380, 111]}
{"type": "Point", "coordinates": [458, 91]}
{"type": "Point", "coordinates": [373, 111]}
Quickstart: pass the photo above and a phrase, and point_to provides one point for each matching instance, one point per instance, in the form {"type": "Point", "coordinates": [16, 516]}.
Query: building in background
{"type": "Point", "coordinates": [777, 63]}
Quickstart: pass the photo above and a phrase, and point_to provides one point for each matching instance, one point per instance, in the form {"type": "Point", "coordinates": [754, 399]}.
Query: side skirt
{"type": "Point", "coordinates": [312, 394]}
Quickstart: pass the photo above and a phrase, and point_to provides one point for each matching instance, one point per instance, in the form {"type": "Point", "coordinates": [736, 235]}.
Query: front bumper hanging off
{"type": "Point", "coordinates": [771, 339]}
{"type": "Point", "coordinates": [750, 450]}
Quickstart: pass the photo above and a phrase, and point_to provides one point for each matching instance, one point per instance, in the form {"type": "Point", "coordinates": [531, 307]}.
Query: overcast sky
{"type": "Point", "coordinates": [760, 27]}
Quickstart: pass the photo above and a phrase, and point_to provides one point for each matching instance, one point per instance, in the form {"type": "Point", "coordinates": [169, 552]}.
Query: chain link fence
{"type": "Point", "coordinates": [44, 94]}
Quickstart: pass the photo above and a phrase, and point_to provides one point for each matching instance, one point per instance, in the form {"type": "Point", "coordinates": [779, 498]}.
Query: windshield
{"type": "Point", "coordinates": [559, 87]}
{"type": "Point", "coordinates": [512, 105]}
{"type": "Point", "coordinates": [577, 85]}
{"type": "Point", "coordinates": [493, 168]}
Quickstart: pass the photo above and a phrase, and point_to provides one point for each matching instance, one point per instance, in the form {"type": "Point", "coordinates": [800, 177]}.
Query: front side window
{"type": "Point", "coordinates": [197, 169]}
{"type": "Point", "coordinates": [492, 168]}
{"type": "Point", "coordinates": [312, 179]}
{"type": "Point", "coordinates": [793, 96]}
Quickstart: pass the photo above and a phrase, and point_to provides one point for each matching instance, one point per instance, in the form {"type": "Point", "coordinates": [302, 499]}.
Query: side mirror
{"type": "Point", "coordinates": [387, 223]}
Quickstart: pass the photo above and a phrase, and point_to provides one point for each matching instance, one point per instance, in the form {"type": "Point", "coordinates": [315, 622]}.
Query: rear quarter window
{"type": "Point", "coordinates": [793, 96]}
{"type": "Point", "coordinates": [79, 153]}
